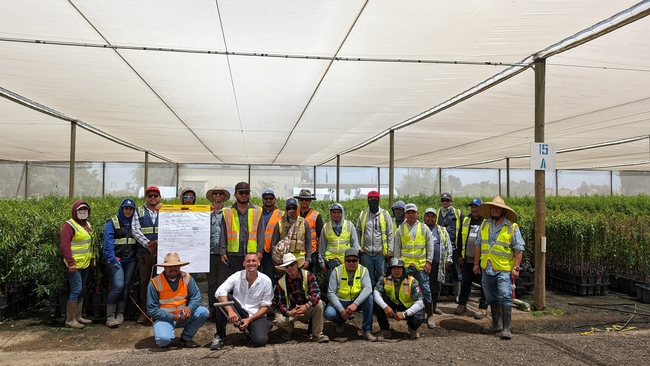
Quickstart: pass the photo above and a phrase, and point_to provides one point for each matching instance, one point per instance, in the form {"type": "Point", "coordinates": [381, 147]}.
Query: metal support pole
{"type": "Point", "coordinates": [103, 179]}
{"type": "Point", "coordinates": [611, 183]}
{"type": "Point", "coordinates": [507, 177]}
{"type": "Point", "coordinates": [249, 176]}
{"type": "Point", "coordinates": [439, 181]}
{"type": "Point", "coordinates": [539, 291]}
{"type": "Point", "coordinates": [499, 181]}
{"type": "Point", "coordinates": [557, 183]}
{"type": "Point", "coordinates": [73, 143]}
{"type": "Point", "coordinates": [314, 180]}
{"type": "Point", "coordinates": [379, 180]}
{"type": "Point", "coordinates": [146, 171]}
{"type": "Point", "coordinates": [391, 169]}
{"type": "Point", "coordinates": [338, 176]}
{"type": "Point", "coordinates": [178, 179]}
{"type": "Point", "coordinates": [26, 177]}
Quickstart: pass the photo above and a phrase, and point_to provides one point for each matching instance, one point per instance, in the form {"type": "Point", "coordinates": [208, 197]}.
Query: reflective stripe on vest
{"type": "Point", "coordinates": [382, 226]}
{"type": "Point", "coordinates": [404, 293]}
{"type": "Point", "coordinates": [231, 216]}
{"type": "Point", "coordinates": [465, 235]}
{"type": "Point", "coordinates": [346, 292]}
{"type": "Point", "coordinates": [170, 301]}
{"type": "Point", "coordinates": [276, 216]}
{"type": "Point", "coordinates": [414, 251]}
{"type": "Point", "coordinates": [501, 255]}
{"type": "Point", "coordinates": [336, 245]}
{"type": "Point", "coordinates": [121, 241]}
{"type": "Point", "coordinates": [311, 220]}
{"type": "Point", "coordinates": [81, 245]}
{"type": "Point", "coordinates": [283, 285]}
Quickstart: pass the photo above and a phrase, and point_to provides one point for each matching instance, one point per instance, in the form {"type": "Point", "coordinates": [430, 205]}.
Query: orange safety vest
{"type": "Point", "coordinates": [170, 301]}
{"type": "Point", "coordinates": [231, 216]}
{"type": "Point", "coordinates": [311, 220]}
{"type": "Point", "coordinates": [270, 226]}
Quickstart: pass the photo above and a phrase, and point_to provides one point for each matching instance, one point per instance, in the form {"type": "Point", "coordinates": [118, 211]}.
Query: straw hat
{"type": "Point", "coordinates": [172, 259]}
{"type": "Point", "coordinates": [484, 208]}
{"type": "Point", "coordinates": [208, 194]}
{"type": "Point", "coordinates": [289, 258]}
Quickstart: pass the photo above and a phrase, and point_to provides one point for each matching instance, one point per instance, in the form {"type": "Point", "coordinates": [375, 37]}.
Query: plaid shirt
{"type": "Point", "coordinates": [297, 295]}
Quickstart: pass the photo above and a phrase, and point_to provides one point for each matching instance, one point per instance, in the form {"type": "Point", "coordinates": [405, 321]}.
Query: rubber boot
{"type": "Point", "coordinates": [80, 318]}
{"type": "Point", "coordinates": [428, 309]}
{"type": "Point", "coordinates": [121, 306]}
{"type": "Point", "coordinates": [457, 290]}
{"type": "Point", "coordinates": [71, 315]}
{"type": "Point", "coordinates": [507, 316]}
{"type": "Point", "coordinates": [495, 307]}
{"type": "Point", "coordinates": [110, 316]}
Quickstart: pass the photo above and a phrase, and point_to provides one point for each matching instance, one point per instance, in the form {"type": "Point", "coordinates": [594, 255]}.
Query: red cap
{"type": "Point", "coordinates": [373, 194]}
{"type": "Point", "coordinates": [152, 189]}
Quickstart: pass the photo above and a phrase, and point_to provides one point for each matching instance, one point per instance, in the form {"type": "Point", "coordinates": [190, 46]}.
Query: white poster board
{"type": "Point", "coordinates": [185, 229]}
{"type": "Point", "coordinates": [542, 156]}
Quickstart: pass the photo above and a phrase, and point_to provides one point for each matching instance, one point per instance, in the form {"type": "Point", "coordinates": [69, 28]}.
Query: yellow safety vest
{"type": "Point", "coordinates": [336, 245]}
{"type": "Point", "coordinates": [268, 233]}
{"type": "Point", "coordinates": [283, 285]}
{"type": "Point", "coordinates": [231, 215]}
{"type": "Point", "coordinates": [414, 251]}
{"type": "Point", "coordinates": [382, 224]}
{"type": "Point", "coordinates": [346, 292]}
{"type": "Point", "coordinates": [404, 294]}
{"type": "Point", "coordinates": [170, 301]}
{"type": "Point", "coordinates": [501, 255]}
{"type": "Point", "coordinates": [81, 245]}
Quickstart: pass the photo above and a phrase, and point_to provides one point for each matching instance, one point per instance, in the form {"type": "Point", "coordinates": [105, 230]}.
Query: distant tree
{"type": "Point", "coordinates": [261, 186]}
{"type": "Point", "coordinates": [45, 180]}
{"type": "Point", "coordinates": [163, 175]}
{"type": "Point", "coordinates": [12, 179]}
{"type": "Point", "coordinates": [418, 181]}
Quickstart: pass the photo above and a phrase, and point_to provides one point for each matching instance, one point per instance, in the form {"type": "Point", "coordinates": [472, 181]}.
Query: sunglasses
{"type": "Point", "coordinates": [352, 260]}
{"type": "Point", "coordinates": [292, 208]}
{"type": "Point", "coordinates": [191, 198]}
{"type": "Point", "coordinates": [303, 199]}
{"type": "Point", "coordinates": [445, 200]}
{"type": "Point", "coordinates": [268, 198]}
{"type": "Point", "coordinates": [293, 264]}
{"type": "Point", "coordinates": [245, 193]}
{"type": "Point", "coordinates": [153, 195]}
{"type": "Point", "coordinates": [217, 193]}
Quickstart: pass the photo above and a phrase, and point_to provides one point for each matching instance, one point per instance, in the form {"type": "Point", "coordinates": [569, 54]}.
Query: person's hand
{"type": "Point", "coordinates": [152, 247]}
{"type": "Point", "coordinates": [427, 267]}
{"type": "Point", "coordinates": [344, 314]}
{"type": "Point", "coordinates": [476, 269]}
{"type": "Point", "coordinates": [351, 309]}
{"type": "Point", "coordinates": [243, 324]}
{"type": "Point", "coordinates": [305, 265]}
{"type": "Point", "coordinates": [298, 311]}
{"type": "Point", "coordinates": [72, 268]}
{"type": "Point", "coordinates": [323, 268]}
{"type": "Point", "coordinates": [399, 315]}
{"type": "Point", "coordinates": [158, 206]}
{"type": "Point", "coordinates": [186, 313]}
{"type": "Point", "coordinates": [448, 265]}
{"type": "Point", "coordinates": [389, 312]}
{"type": "Point", "coordinates": [461, 261]}
{"type": "Point", "coordinates": [232, 316]}
{"type": "Point", "coordinates": [259, 257]}
{"type": "Point", "coordinates": [224, 259]}
{"type": "Point", "coordinates": [514, 274]}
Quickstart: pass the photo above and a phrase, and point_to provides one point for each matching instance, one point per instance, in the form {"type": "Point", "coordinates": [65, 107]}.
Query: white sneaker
{"type": "Point", "coordinates": [431, 323]}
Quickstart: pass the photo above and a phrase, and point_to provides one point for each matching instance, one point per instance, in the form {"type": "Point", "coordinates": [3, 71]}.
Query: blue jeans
{"type": "Point", "coordinates": [376, 265]}
{"type": "Point", "coordinates": [423, 281]}
{"type": "Point", "coordinates": [163, 331]}
{"type": "Point", "coordinates": [121, 275]}
{"type": "Point", "coordinates": [333, 315]}
{"type": "Point", "coordinates": [497, 288]}
{"type": "Point", "coordinates": [78, 283]}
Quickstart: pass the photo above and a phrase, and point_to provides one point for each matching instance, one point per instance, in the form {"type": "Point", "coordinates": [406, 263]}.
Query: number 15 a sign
{"type": "Point", "coordinates": [542, 156]}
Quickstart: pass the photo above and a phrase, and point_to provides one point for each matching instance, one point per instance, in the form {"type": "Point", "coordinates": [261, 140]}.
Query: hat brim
{"type": "Point", "coordinates": [172, 264]}
{"type": "Point", "coordinates": [307, 198]}
{"type": "Point", "coordinates": [484, 210]}
{"type": "Point", "coordinates": [209, 193]}
{"type": "Point", "coordinates": [300, 260]}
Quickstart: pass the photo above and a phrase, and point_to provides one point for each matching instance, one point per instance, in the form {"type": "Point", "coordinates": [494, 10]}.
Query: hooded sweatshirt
{"type": "Point", "coordinates": [337, 227]}
{"type": "Point", "coordinates": [67, 232]}
{"type": "Point", "coordinates": [109, 234]}
{"type": "Point", "coordinates": [398, 220]}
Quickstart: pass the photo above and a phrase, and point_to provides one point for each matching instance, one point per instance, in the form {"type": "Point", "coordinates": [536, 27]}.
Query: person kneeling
{"type": "Point", "coordinates": [298, 298]}
{"type": "Point", "coordinates": [173, 300]}
{"type": "Point", "coordinates": [398, 296]}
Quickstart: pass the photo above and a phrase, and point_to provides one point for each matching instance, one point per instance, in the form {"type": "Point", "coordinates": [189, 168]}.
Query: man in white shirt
{"type": "Point", "coordinates": [252, 293]}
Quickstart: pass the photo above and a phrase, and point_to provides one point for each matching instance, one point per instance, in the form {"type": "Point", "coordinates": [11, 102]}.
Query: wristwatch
{"type": "Point", "coordinates": [516, 269]}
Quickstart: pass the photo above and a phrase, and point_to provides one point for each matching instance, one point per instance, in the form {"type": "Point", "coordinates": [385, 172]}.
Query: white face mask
{"type": "Point", "coordinates": [82, 214]}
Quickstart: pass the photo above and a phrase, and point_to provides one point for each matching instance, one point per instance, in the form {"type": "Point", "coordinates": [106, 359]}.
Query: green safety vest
{"type": "Point", "coordinates": [232, 228]}
{"type": "Point", "coordinates": [414, 251]}
{"type": "Point", "coordinates": [336, 245]}
{"type": "Point", "coordinates": [501, 255]}
{"type": "Point", "coordinates": [81, 245]}
{"type": "Point", "coordinates": [404, 292]}
{"type": "Point", "coordinates": [346, 292]}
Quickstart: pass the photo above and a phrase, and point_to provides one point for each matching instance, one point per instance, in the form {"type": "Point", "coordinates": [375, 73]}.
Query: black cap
{"type": "Point", "coordinates": [242, 186]}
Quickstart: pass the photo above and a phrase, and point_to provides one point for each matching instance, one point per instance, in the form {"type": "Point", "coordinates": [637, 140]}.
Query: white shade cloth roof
{"type": "Point", "coordinates": [298, 82]}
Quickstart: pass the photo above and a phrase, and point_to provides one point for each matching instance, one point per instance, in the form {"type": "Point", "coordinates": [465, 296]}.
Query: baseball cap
{"type": "Point", "coordinates": [373, 193]}
{"type": "Point", "coordinates": [476, 201]}
{"type": "Point", "coordinates": [268, 192]}
{"type": "Point", "coordinates": [396, 262]}
{"type": "Point", "coordinates": [411, 207]}
{"type": "Point", "coordinates": [152, 189]}
{"type": "Point", "coordinates": [352, 252]}
{"type": "Point", "coordinates": [291, 201]}
{"type": "Point", "coordinates": [445, 195]}
{"type": "Point", "coordinates": [431, 210]}
{"type": "Point", "coordinates": [242, 186]}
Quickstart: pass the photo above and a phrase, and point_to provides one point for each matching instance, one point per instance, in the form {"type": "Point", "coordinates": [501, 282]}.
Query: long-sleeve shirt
{"type": "Point", "coordinates": [518, 243]}
{"type": "Point", "coordinates": [243, 234]}
{"type": "Point", "coordinates": [322, 244]}
{"type": "Point", "coordinates": [136, 228]}
{"type": "Point", "coordinates": [215, 231]}
{"type": "Point", "coordinates": [66, 234]}
{"type": "Point", "coordinates": [370, 238]}
{"type": "Point", "coordinates": [153, 298]}
{"type": "Point", "coordinates": [416, 294]}
{"type": "Point", "coordinates": [297, 295]}
{"type": "Point", "coordinates": [109, 246]}
{"type": "Point", "coordinates": [335, 284]}
{"type": "Point", "coordinates": [252, 298]}
{"type": "Point", "coordinates": [397, 249]}
{"type": "Point", "coordinates": [444, 254]}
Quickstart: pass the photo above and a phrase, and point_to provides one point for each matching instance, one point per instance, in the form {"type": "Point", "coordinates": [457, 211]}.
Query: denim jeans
{"type": "Point", "coordinates": [333, 315]}
{"type": "Point", "coordinates": [78, 283]}
{"type": "Point", "coordinates": [423, 281]}
{"type": "Point", "coordinates": [163, 331]}
{"type": "Point", "coordinates": [121, 275]}
{"type": "Point", "coordinates": [376, 265]}
{"type": "Point", "coordinates": [497, 288]}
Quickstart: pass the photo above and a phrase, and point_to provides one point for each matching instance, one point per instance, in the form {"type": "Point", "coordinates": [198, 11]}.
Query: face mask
{"type": "Point", "coordinates": [82, 214]}
{"type": "Point", "coordinates": [373, 205]}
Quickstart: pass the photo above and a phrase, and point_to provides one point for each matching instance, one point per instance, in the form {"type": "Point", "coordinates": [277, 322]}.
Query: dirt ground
{"type": "Point", "coordinates": [551, 337]}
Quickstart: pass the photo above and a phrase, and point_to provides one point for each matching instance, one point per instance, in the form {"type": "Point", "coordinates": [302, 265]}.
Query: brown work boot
{"type": "Point", "coordinates": [460, 309]}
{"type": "Point", "coordinates": [71, 315]}
{"type": "Point", "coordinates": [143, 319]}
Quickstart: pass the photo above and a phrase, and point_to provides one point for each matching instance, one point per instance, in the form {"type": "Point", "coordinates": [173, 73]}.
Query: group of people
{"type": "Point", "coordinates": [262, 262]}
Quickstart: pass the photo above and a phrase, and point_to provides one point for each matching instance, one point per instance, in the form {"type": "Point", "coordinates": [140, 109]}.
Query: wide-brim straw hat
{"type": "Point", "coordinates": [289, 258]}
{"type": "Point", "coordinates": [484, 208]}
{"type": "Point", "coordinates": [305, 194]}
{"type": "Point", "coordinates": [208, 194]}
{"type": "Point", "coordinates": [172, 259]}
